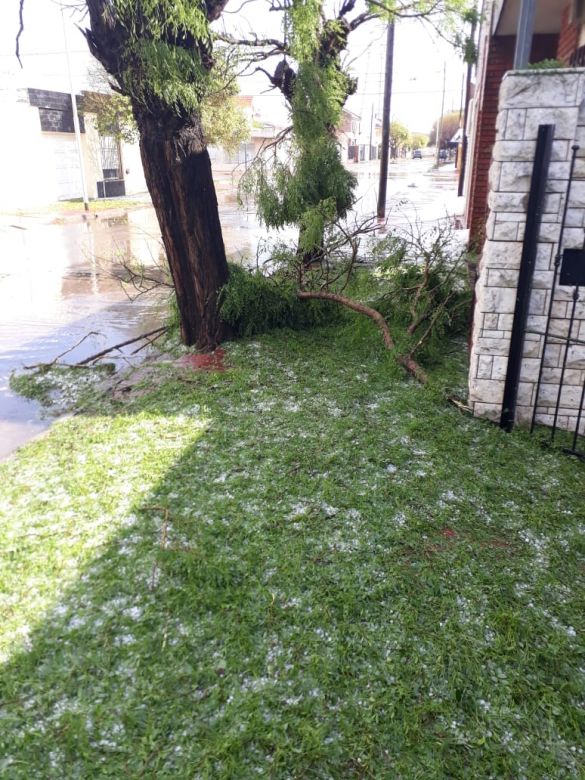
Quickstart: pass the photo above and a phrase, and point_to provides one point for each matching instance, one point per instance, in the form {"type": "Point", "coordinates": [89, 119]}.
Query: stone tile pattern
{"type": "Point", "coordinates": [527, 100]}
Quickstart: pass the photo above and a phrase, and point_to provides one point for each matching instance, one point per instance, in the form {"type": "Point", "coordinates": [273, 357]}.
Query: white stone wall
{"type": "Point", "coordinates": [527, 100]}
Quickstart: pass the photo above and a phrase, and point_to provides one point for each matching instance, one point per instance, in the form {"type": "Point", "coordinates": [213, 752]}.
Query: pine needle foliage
{"type": "Point", "coordinates": [166, 57]}
{"type": "Point", "coordinates": [253, 303]}
{"type": "Point", "coordinates": [311, 188]}
{"type": "Point", "coordinates": [224, 123]}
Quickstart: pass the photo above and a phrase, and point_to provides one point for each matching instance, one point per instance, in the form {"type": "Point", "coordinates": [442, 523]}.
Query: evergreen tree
{"type": "Point", "coordinates": [312, 188]}
{"type": "Point", "coordinates": [160, 55]}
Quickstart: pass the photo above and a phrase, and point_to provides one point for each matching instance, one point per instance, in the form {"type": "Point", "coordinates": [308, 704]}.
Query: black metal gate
{"type": "Point", "coordinates": [566, 409]}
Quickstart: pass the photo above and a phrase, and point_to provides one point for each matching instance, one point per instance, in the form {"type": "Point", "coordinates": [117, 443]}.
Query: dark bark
{"type": "Point", "coordinates": [177, 169]}
{"type": "Point", "coordinates": [178, 173]}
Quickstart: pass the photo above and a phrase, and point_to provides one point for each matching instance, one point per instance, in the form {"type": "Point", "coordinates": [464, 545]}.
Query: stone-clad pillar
{"type": "Point", "coordinates": [527, 100]}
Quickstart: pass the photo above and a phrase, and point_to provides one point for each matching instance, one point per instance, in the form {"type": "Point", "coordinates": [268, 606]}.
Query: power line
{"type": "Point", "coordinates": [46, 53]}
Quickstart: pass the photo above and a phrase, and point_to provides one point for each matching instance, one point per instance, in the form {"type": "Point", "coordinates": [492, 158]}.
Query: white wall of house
{"type": "Point", "coordinates": [40, 168]}
{"type": "Point", "coordinates": [28, 174]}
{"type": "Point", "coordinates": [132, 169]}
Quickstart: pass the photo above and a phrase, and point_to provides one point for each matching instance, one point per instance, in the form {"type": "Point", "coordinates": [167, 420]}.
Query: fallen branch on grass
{"type": "Point", "coordinates": [407, 361]}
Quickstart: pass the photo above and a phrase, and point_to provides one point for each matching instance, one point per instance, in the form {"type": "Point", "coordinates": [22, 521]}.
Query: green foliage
{"type": "Point", "coordinates": [156, 68]}
{"type": "Point", "coordinates": [423, 288]}
{"type": "Point", "coordinates": [400, 136]}
{"type": "Point", "coordinates": [312, 188]}
{"type": "Point", "coordinates": [549, 64]}
{"type": "Point", "coordinates": [319, 95]}
{"type": "Point", "coordinates": [113, 115]}
{"type": "Point", "coordinates": [289, 193]}
{"type": "Point", "coordinates": [419, 140]}
{"type": "Point", "coordinates": [173, 75]}
{"type": "Point", "coordinates": [305, 17]}
{"type": "Point", "coordinates": [254, 303]}
{"type": "Point", "coordinates": [223, 121]}
{"type": "Point", "coordinates": [60, 388]}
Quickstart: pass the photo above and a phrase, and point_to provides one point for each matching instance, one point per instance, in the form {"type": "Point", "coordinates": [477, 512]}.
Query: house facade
{"type": "Point", "coordinates": [40, 122]}
{"type": "Point", "coordinates": [526, 213]}
{"type": "Point", "coordinates": [40, 158]}
{"type": "Point", "coordinates": [559, 34]}
{"type": "Point", "coordinates": [359, 139]}
{"type": "Point", "coordinates": [263, 130]}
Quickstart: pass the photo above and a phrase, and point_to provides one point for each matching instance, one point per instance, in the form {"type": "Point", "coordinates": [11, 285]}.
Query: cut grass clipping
{"type": "Point", "coordinates": [307, 566]}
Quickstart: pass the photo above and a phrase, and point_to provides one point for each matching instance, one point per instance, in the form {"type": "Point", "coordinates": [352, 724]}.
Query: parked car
{"type": "Point", "coordinates": [417, 154]}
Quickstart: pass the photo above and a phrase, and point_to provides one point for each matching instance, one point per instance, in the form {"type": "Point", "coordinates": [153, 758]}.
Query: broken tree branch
{"type": "Point", "coordinates": [98, 355]}
{"type": "Point", "coordinates": [355, 306]}
{"type": "Point", "coordinates": [407, 361]}
{"type": "Point", "coordinates": [148, 342]}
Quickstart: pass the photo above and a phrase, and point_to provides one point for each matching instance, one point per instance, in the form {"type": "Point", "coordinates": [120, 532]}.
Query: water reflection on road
{"type": "Point", "coordinates": [56, 282]}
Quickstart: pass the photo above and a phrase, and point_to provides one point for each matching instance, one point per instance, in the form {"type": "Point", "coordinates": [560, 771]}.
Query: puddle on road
{"type": "Point", "coordinates": [56, 285]}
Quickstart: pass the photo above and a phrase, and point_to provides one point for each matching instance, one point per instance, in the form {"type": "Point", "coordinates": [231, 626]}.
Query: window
{"type": "Point", "coordinates": [110, 157]}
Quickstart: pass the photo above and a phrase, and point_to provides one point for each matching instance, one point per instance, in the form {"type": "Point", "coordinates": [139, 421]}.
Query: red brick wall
{"type": "Point", "coordinates": [568, 37]}
{"type": "Point", "coordinates": [500, 58]}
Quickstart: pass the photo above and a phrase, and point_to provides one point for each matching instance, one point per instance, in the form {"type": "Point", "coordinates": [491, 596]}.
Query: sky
{"type": "Point", "coordinates": [419, 58]}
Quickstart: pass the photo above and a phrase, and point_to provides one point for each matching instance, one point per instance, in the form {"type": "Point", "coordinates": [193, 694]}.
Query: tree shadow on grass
{"type": "Point", "coordinates": [221, 595]}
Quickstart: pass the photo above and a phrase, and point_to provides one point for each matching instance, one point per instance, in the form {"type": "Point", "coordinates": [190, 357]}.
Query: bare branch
{"type": "Point", "coordinates": [239, 8]}
{"type": "Point", "coordinates": [355, 306]}
{"type": "Point", "coordinates": [98, 355]}
{"type": "Point", "coordinates": [254, 42]}
{"type": "Point", "coordinates": [62, 354]}
{"type": "Point", "coordinates": [361, 19]}
{"type": "Point", "coordinates": [20, 31]}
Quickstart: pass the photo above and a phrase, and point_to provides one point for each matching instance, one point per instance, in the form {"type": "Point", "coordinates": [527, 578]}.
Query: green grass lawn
{"type": "Point", "coordinates": [76, 205]}
{"type": "Point", "coordinates": [305, 567]}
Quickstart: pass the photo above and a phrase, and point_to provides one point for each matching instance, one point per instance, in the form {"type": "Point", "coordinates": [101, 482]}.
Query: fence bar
{"type": "Point", "coordinates": [573, 450]}
{"type": "Point", "coordinates": [533, 216]}
{"type": "Point", "coordinates": [565, 357]}
{"type": "Point", "coordinates": [558, 257]}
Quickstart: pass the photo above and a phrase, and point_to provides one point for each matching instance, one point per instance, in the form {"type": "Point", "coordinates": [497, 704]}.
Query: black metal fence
{"type": "Point", "coordinates": [566, 408]}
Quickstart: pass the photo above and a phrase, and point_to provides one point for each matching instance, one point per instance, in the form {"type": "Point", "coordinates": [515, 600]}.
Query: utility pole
{"type": "Point", "coordinates": [440, 122]}
{"type": "Point", "coordinates": [75, 117]}
{"type": "Point", "coordinates": [466, 118]}
{"type": "Point", "coordinates": [371, 132]}
{"type": "Point", "coordinates": [386, 122]}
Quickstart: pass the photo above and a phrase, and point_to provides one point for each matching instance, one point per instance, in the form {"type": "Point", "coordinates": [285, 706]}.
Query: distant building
{"type": "Point", "coordinates": [559, 33]}
{"type": "Point", "coordinates": [262, 133]}
{"type": "Point", "coordinates": [360, 141]}
{"type": "Point", "coordinates": [40, 159]}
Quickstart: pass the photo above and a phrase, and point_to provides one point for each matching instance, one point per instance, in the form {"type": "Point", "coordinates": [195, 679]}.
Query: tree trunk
{"type": "Point", "coordinates": [178, 174]}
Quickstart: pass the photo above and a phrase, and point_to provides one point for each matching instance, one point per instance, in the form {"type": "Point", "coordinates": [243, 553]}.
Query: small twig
{"type": "Point", "coordinates": [45, 366]}
{"type": "Point", "coordinates": [20, 31]}
{"type": "Point", "coordinates": [463, 407]}
{"type": "Point", "coordinates": [98, 355]}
